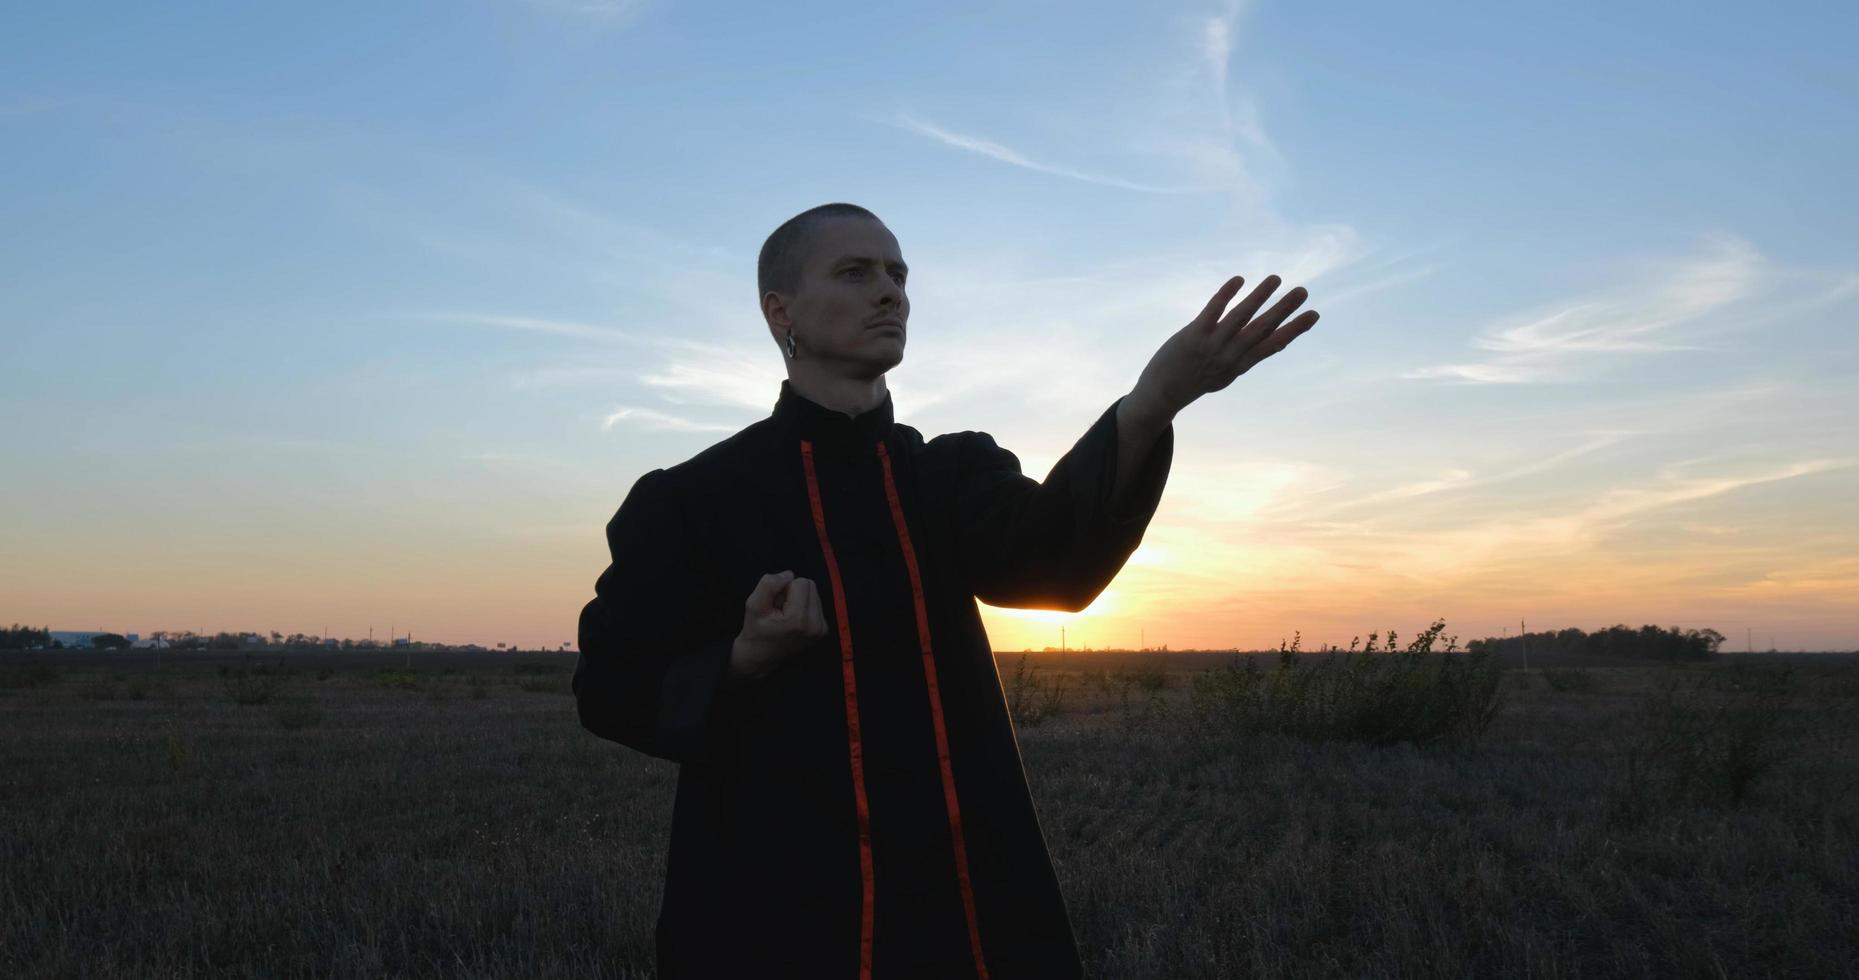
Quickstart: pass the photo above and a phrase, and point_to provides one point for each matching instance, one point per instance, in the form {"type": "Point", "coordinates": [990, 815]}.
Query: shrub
{"type": "Point", "coordinates": [32, 673]}
{"type": "Point", "coordinates": [257, 687]}
{"type": "Point", "coordinates": [395, 678]}
{"type": "Point", "coordinates": [1149, 677]}
{"type": "Point", "coordinates": [1570, 680]}
{"type": "Point", "coordinates": [1029, 702]}
{"type": "Point", "coordinates": [1384, 697]}
{"type": "Point", "coordinates": [1705, 742]}
{"type": "Point", "coordinates": [1137, 715]}
{"type": "Point", "coordinates": [298, 713]}
{"type": "Point", "coordinates": [1098, 679]}
{"type": "Point", "coordinates": [180, 749]}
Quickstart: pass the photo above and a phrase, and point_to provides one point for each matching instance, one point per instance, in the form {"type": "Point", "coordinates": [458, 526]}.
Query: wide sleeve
{"type": "Point", "coordinates": [655, 638]}
{"type": "Point", "coordinates": [1056, 544]}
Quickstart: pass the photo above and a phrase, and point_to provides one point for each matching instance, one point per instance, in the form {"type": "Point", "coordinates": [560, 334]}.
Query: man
{"type": "Point", "coordinates": [790, 615]}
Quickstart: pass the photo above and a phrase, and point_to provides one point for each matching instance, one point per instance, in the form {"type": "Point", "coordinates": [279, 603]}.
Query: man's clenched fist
{"type": "Point", "coordinates": [780, 618]}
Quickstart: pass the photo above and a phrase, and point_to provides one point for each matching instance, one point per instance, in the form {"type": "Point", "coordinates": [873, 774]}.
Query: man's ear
{"type": "Point", "coordinates": [774, 310]}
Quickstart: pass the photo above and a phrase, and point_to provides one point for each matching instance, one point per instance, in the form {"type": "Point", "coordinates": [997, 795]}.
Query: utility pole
{"type": "Point", "coordinates": [1523, 634]}
{"type": "Point", "coordinates": [1061, 639]}
{"type": "Point", "coordinates": [1749, 641]}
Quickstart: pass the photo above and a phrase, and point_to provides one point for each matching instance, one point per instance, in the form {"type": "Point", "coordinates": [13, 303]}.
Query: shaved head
{"type": "Point", "coordinates": [784, 254]}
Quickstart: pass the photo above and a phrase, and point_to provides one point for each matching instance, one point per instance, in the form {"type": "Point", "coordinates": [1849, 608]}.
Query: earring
{"type": "Point", "coordinates": [790, 345]}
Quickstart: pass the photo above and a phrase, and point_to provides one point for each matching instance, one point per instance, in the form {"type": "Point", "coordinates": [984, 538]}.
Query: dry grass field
{"type": "Point", "coordinates": [341, 815]}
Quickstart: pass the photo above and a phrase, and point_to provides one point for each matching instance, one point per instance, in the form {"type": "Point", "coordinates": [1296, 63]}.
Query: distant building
{"type": "Point", "coordinates": [86, 639]}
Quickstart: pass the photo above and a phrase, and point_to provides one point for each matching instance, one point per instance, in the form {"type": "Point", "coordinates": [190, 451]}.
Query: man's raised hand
{"type": "Point", "coordinates": [1212, 350]}
{"type": "Point", "coordinates": [781, 617]}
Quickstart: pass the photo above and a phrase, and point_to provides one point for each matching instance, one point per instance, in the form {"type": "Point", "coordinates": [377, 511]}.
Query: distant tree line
{"type": "Point", "coordinates": [1646, 643]}
{"type": "Point", "coordinates": [17, 637]}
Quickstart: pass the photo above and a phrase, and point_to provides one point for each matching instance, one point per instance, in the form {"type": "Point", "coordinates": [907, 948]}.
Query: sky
{"type": "Point", "coordinates": [365, 316]}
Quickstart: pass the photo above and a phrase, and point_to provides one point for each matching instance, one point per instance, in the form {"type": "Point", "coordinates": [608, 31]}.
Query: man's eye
{"type": "Point", "coordinates": [900, 278]}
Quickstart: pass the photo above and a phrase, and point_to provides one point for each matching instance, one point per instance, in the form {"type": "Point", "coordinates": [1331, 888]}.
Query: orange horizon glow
{"type": "Point", "coordinates": [1223, 565]}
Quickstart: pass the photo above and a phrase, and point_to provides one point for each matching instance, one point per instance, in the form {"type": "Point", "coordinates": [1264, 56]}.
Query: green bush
{"type": "Point", "coordinates": [1381, 697]}
{"type": "Point", "coordinates": [297, 713]}
{"type": "Point", "coordinates": [253, 687]}
{"type": "Point", "coordinates": [1149, 677]}
{"type": "Point", "coordinates": [32, 673]}
{"type": "Point", "coordinates": [395, 678]}
{"type": "Point", "coordinates": [1570, 680]}
{"type": "Point", "coordinates": [1028, 701]}
{"type": "Point", "coordinates": [1706, 742]}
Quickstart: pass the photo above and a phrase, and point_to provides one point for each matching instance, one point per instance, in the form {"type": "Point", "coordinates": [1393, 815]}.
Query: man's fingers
{"type": "Point", "coordinates": [767, 589]}
{"type": "Point", "coordinates": [781, 595]}
{"type": "Point", "coordinates": [1222, 296]}
{"type": "Point", "coordinates": [796, 609]}
{"type": "Point", "coordinates": [759, 597]}
{"type": "Point", "coordinates": [1278, 340]}
{"type": "Point", "coordinates": [1281, 309]}
{"type": "Point", "coordinates": [1241, 313]}
{"type": "Point", "coordinates": [816, 619]}
{"type": "Point", "coordinates": [1239, 345]}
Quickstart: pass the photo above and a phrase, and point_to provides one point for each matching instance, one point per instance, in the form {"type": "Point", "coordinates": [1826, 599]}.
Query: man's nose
{"type": "Point", "coordinates": [890, 293]}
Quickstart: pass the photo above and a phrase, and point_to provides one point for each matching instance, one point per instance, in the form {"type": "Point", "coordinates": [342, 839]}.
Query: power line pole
{"type": "Point", "coordinates": [1523, 634]}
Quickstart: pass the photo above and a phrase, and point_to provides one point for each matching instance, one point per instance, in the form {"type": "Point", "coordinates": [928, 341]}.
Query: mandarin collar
{"type": "Point", "coordinates": [804, 418]}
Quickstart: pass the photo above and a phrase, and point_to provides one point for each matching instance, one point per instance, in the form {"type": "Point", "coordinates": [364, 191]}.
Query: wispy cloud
{"type": "Point", "coordinates": [715, 374]}
{"type": "Point", "coordinates": [528, 324]}
{"type": "Point", "coordinates": [1198, 119]}
{"type": "Point", "coordinates": [611, 12]}
{"type": "Point", "coordinates": [1006, 154]}
{"type": "Point", "coordinates": [556, 377]}
{"type": "Point", "coordinates": [1399, 552]}
{"type": "Point", "coordinates": [651, 418]}
{"type": "Point", "coordinates": [1554, 343]}
{"type": "Point", "coordinates": [1194, 118]}
{"type": "Point", "coordinates": [1334, 298]}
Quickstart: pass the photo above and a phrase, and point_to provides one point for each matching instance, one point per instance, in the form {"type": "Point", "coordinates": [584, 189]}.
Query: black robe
{"type": "Point", "coordinates": [861, 811]}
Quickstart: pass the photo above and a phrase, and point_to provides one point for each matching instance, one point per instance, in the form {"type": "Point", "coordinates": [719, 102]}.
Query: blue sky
{"type": "Point", "coordinates": [352, 315]}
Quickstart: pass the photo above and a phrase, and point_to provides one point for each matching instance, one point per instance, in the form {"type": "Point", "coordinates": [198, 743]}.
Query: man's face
{"type": "Point", "coordinates": [851, 308]}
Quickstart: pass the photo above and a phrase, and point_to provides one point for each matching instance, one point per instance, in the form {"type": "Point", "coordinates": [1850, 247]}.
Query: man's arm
{"type": "Point", "coordinates": [655, 640]}
{"type": "Point", "coordinates": [1055, 544]}
{"type": "Point", "coordinates": [1139, 423]}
